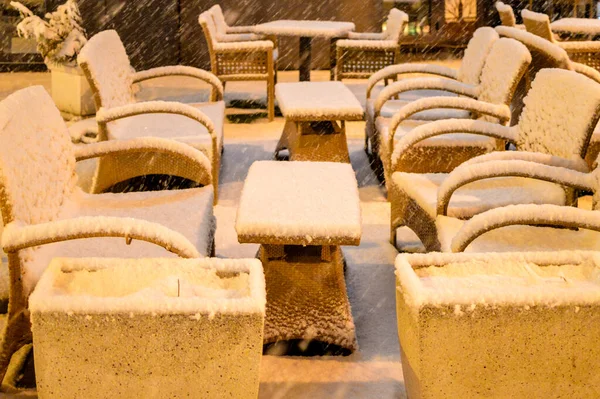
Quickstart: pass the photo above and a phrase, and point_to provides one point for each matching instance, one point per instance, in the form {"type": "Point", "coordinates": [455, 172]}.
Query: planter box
{"type": "Point", "coordinates": [151, 328]}
{"type": "Point", "coordinates": [71, 92]}
{"type": "Point", "coordinates": [499, 325]}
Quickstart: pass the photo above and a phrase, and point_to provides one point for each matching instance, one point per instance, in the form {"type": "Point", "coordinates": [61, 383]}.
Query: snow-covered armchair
{"type": "Point", "coordinates": [45, 215]}
{"type": "Point", "coordinates": [241, 60]}
{"type": "Point", "coordinates": [469, 72]}
{"type": "Point", "coordinates": [507, 15]}
{"type": "Point", "coordinates": [561, 110]}
{"type": "Point", "coordinates": [106, 65]}
{"type": "Point", "coordinates": [505, 65]}
{"type": "Point", "coordinates": [584, 52]}
{"type": "Point", "coordinates": [362, 54]}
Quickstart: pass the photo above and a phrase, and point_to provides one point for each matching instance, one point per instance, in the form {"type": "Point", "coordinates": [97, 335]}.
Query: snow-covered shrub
{"type": "Point", "coordinates": [59, 36]}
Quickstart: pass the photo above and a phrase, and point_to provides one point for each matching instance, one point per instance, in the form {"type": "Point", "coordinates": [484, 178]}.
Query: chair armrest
{"type": "Point", "coordinates": [587, 71]}
{"type": "Point", "coordinates": [232, 47]}
{"type": "Point", "coordinates": [402, 86]}
{"type": "Point", "coordinates": [18, 236]}
{"type": "Point", "coordinates": [465, 174]}
{"type": "Point", "coordinates": [530, 215]}
{"type": "Point", "coordinates": [180, 70]}
{"type": "Point", "coordinates": [239, 37]}
{"type": "Point", "coordinates": [240, 29]}
{"type": "Point", "coordinates": [538, 157]}
{"type": "Point", "coordinates": [366, 36]}
{"type": "Point", "coordinates": [438, 128]}
{"type": "Point", "coordinates": [580, 47]}
{"type": "Point", "coordinates": [395, 70]}
{"type": "Point", "coordinates": [184, 152]}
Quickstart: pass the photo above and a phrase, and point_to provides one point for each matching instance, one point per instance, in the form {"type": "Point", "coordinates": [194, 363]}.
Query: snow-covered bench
{"type": "Point", "coordinates": [311, 111]}
{"type": "Point", "coordinates": [45, 214]}
{"type": "Point", "coordinates": [106, 65]}
{"type": "Point", "coordinates": [499, 325]}
{"type": "Point", "coordinates": [161, 328]}
{"type": "Point", "coordinates": [554, 130]}
{"type": "Point", "coordinates": [300, 213]}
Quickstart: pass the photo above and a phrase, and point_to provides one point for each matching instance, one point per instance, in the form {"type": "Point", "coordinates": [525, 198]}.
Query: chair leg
{"type": "Point", "coordinates": [271, 99]}
{"type": "Point", "coordinates": [17, 334]}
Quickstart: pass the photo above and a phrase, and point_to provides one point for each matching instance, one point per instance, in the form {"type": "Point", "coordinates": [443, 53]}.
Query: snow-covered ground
{"type": "Point", "coordinates": [374, 371]}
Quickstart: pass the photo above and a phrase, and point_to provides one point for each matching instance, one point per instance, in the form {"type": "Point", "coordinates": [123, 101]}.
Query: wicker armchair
{"type": "Point", "coordinates": [241, 60]}
{"type": "Point", "coordinates": [363, 54]}
{"type": "Point", "coordinates": [505, 65]}
{"type": "Point", "coordinates": [507, 15]}
{"type": "Point", "coordinates": [584, 52]}
{"type": "Point", "coordinates": [45, 215]}
{"type": "Point", "coordinates": [111, 77]}
{"type": "Point", "coordinates": [562, 109]}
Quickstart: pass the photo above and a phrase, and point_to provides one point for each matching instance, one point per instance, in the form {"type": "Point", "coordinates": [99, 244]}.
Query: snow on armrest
{"type": "Point", "coordinates": [394, 70]}
{"type": "Point", "coordinates": [240, 29]}
{"type": "Point", "coordinates": [367, 44]}
{"type": "Point", "coordinates": [451, 86]}
{"type": "Point", "coordinates": [181, 70]}
{"type": "Point", "coordinates": [538, 157]}
{"type": "Point", "coordinates": [438, 128]}
{"type": "Point", "coordinates": [530, 214]}
{"type": "Point", "coordinates": [583, 47]}
{"type": "Point", "coordinates": [465, 174]}
{"type": "Point", "coordinates": [244, 46]}
{"type": "Point", "coordinates": [239, 37]}
{"type": "Point", "coordinates": [366, 36]}
{"type": "Point", "coordinates": [104, 115]}
{"type": "Point", "coordinates": [19, 236]}
{"type": "Point", "coordinates": [142, 144]}
{"type": "Point", "coordinates": [586, 70]}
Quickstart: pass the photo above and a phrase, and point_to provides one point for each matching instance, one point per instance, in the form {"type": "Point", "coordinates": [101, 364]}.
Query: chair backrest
{"type": "Point", "coordinates": [561, 111]}
{"type": "Point", "coordinates": [504, 68]}
{"type": "Point", "coordinates": [106, 66]}
{"type": "Point", "coordinates": [477, 51]}
{"type": "Point", "coordinates": [207, 23]}
{"type": "Point", "coordinates": [396, 21]}
{"type": "Point", "coordinates": [507, 15]}
{"type": "Point", "coordinates": [37, 163]}
{"type": "Point", "coordinates": [219, 19]}
{"type": "Point", "coordinates": [538, 24]}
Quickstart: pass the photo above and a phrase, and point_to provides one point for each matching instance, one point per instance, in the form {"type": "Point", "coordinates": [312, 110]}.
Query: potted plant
{"type": "Point", "coordinates": [59, 38]}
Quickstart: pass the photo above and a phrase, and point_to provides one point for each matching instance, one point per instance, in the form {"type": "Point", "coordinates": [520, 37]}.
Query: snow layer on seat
{"type": "Point", "coordinates": [188, 212]}
{"type": "Point", "coordinates": [107, 60]}
{"type": "Point", "coordinates": [159, 286]}
{"type": "Point", "coordinates": [478, 196]}
{"type": "Point", "coordinates": [558, 113]}
{"type": "Point", "coordinates": [392, 106]}
{"type": "Point", "coordinates": [172, 126]}
{"type": "Point", "coordinates": [475, 54]}
{"type": "Point", "coordinates": [297, 199]}
{"type": "Point", "coordinates": [519, 238]}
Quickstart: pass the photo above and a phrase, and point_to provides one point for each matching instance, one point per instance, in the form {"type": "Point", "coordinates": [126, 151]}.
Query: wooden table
{"type": "Point", "coordinates": [300, 213]}
{"type": "Point", "coordinates": [306, 31]}
{"type": "Point", "coordinates": [312, 111]}
{"type": "Point", "coordinates": [578, 27]}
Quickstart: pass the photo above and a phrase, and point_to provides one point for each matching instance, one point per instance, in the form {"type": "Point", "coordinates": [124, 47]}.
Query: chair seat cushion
{"type": "Point", "coordinates": [519, 238]}
{"type": "Point", "coordinates": [189, 212]}
{"type": "Point", "coordinates": [392, 106]}
{"type": "Point", "coordinates": [478, 196]}
{"type": "Point", "coordinates": [177, 127]}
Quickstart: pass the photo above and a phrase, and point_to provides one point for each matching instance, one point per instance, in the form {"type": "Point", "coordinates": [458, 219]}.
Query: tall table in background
{"type": "Point", "coordinates": [306, 31]}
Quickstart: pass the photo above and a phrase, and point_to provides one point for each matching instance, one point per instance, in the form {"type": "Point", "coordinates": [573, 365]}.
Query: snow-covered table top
{"type": "Point", "coordinates": [317, 101]}
{"type": "Point", "coordinates": [299, 203]}
{"type": "Point", "coordinates": [286, 27]}
{"type": "Point", "coordinates": [583, 26]}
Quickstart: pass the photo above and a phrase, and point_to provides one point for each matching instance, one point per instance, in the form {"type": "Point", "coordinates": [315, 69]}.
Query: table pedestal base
{"type": "Point", "coordinates": [306, 296]}
{"type": "Point", "coordinates": [323, 141]}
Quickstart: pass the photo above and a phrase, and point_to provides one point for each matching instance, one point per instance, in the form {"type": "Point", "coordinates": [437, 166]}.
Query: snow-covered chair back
{"type": "Point", "coordinates": [504, 67]}
{"type": "Point", "coordinates": [106, 66]}
{"type": "Point", "coordinates": [219, 19]}
{"type": "Point", "coordinates": [561, 104]}
{"type": "Point", "coordinates": [538, 24]}
{"type": "Point", "coordinates": [209, 28]}
{"type": "Point", "coordinates": [475, 54]}
{"type": "Point", "coordinates": [395, 24]}
{"type": "Point", "coordinates": [507, 15]}
{"type": "Point", "coordinates": [37, 162]}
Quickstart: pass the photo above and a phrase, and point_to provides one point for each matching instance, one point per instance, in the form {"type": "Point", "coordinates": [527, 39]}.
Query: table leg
{"type": "Point", "coordinates": [332, 58]}
{"type": "Point", "coordinates": [305, 58]}
{"type": "Point", "coordinates": [306, 296]}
